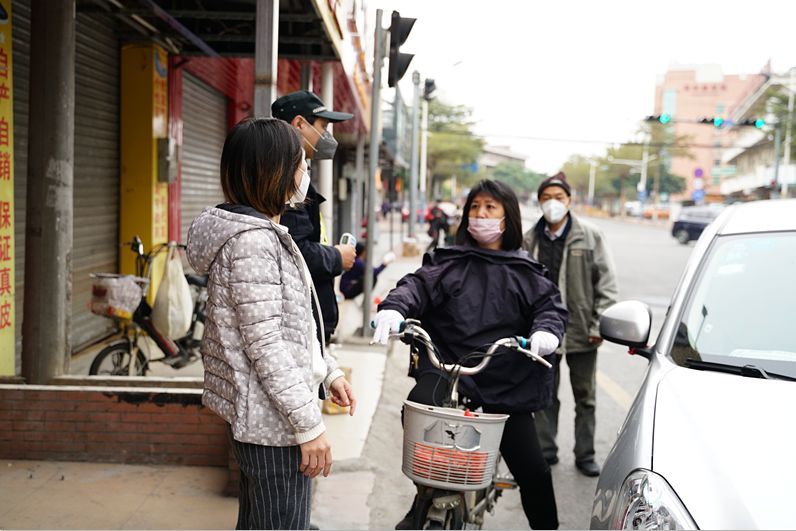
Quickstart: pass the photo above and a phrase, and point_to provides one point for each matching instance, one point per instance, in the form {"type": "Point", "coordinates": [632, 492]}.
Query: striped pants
{"type": "Point", "coordinates": [274, 494]}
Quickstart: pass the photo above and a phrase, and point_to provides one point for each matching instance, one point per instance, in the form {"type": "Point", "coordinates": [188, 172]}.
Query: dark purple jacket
{"type": "Point", "coordinates": [466, 298]}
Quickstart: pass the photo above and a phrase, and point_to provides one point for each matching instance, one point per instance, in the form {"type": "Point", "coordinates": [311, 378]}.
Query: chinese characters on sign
{"type": "Point", "coordinates": [7, 317]}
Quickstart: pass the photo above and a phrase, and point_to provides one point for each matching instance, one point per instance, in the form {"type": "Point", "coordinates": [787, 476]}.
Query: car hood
{"type": "Point", "coordinates": [727, 446]}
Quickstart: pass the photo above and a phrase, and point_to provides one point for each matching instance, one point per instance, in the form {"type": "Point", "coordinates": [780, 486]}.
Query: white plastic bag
{"type": "Point", "coordinates": [173, 307]}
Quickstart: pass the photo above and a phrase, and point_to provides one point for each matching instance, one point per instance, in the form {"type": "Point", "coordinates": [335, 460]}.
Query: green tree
{"type": "Point", "coordinates": [452, 146]}
{"type": "Point", "coordinates": [524, 182]}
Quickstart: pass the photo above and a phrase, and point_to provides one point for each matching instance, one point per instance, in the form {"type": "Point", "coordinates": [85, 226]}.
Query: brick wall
{"type": "Point", "coordinates": [110, 424]}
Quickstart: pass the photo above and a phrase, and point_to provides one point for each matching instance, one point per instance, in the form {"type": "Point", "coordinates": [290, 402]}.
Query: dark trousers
{"type": "Point", "coordinates": [520, 450]}
{"type": "Point", "coordinates": [582, 377]}
{"type": "Point", "coordinates": [274, 494]}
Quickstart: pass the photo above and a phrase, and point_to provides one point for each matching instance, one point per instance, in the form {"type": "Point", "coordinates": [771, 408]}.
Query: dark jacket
{"type": "Point", "coordinates": [467, 298]}
{"type": "Point", "coordinates": [352, 283]}
{"type": "Point", "coordinates": [323, 261]}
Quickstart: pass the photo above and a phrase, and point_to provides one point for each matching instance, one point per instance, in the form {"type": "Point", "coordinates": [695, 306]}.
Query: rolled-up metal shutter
{"type": "Point", "coordinates": [96, 171]}
{"type": "Point", "coordinates": [204, 128]}
{"type": "Point", "coordinates": [20, 48]}
{"type": "Point", "coordinates": [96, 188]}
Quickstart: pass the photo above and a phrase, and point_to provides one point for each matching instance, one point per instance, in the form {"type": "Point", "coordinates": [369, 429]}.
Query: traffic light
{"type": "Point", "coordinates": [715, 121]}
{"type": "Point", "coordinates": [661, 118]}
{"type": "Point", "coordinates": [718, 121]}
{"type": "Point", "coordinates": [398, 62]}
{"type": "Point", "coordinates": [754, 122]}
{"type": "Point", "coordinates": [428, 89]}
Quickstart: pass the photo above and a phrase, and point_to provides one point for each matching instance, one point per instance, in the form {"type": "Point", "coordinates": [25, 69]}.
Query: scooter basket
{"type": "Point", "coordinates": [449, 448]}
{"type": "Point", "coordinates": [116, 296]}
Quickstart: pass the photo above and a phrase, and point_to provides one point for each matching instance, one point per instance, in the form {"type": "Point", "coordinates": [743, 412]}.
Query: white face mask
{"type": "Point", "coordinates": [301, 194]}
{"type": "Point", "coordinates": [554, 211]}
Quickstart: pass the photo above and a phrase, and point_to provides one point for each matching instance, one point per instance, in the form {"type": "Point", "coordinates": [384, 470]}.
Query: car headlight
{"type": "Point", "coordinates": [646, 501]}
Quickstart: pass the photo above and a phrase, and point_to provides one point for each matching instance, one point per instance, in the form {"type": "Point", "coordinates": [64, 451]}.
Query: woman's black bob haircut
{"type": "Point", "coordinates": [512, 235]}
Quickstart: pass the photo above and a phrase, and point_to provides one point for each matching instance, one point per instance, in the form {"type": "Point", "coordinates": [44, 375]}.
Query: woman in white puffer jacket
{"type": "Point", "coordinates": [264, 363]}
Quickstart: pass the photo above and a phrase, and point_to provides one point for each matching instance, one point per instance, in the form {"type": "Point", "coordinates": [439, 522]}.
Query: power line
{"type": "Point", "coordinates": [583, 141]}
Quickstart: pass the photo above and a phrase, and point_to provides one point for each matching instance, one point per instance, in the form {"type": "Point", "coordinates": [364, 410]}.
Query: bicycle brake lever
{"type": "Point", "coordinates": [536, 357]}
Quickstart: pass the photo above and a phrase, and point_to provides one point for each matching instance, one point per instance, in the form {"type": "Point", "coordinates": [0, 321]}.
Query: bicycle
{"type": "Point", "coordinates": [130, 308]}
{"type": "Point", "coordinates": [451, 453]}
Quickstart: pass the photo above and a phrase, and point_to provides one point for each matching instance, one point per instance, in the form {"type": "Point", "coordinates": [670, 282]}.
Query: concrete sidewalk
{"type": "Point", "coordinates": [68, 495]}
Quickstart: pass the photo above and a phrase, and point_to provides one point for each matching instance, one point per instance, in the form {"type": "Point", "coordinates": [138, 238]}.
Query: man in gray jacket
{"type": "Point", "coordinates": [575, 253]}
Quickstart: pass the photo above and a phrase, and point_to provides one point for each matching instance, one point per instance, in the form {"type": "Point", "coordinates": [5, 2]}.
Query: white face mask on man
{"type": "Point", "coordinates": [554, 211]}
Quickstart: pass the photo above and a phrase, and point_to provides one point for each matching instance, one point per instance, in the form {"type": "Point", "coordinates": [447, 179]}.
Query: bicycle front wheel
{"type": "Point", "coordinates": [114, 360]}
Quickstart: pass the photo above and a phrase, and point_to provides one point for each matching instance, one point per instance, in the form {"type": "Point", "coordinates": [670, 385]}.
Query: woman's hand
{"type": "Point", "coordinates": [386, 321]}
{"type": "Point", "coordinates": [343, 394]}
{"type": "Point", "coordinates": [543, 343]}
{"type": "Point", "coordinates": [316, 456]}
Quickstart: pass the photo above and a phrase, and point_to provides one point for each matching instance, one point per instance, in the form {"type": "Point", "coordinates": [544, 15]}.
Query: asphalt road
{"type": "Point", "coordinates": [649, 263]}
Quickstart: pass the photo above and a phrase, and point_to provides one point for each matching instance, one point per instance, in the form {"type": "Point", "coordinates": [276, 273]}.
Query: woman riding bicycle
{"type": "Point", "coordinates": [470, 295]}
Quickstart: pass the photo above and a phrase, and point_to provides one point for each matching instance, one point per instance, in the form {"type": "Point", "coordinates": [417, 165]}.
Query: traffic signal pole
{"type": "Point", "coordinates": [373, 163]}
{"type": "Point", "coordinates": [415, 156]}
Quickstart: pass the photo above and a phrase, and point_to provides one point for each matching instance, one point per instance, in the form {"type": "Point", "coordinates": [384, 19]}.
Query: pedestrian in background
{"type": "Point", "coordinates": [264, 364]}
{"type": "Point", "coordinates": [353, 281]}
{"type": "Point", "coordinates": [575, 253]}
{"type": "Point", "coordinates": [437, 224]}
{"type": "Point", "coordinates": [309, 116]}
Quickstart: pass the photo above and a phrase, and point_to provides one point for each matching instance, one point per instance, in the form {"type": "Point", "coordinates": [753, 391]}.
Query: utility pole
{"type": "Point", "coordinates": [777, 146]}
{"type": "Point", "coordinates": [373, 162]}
{"type": "Point", "coordinates": [788, 130]}
{"type": "Point", "coordinates": [415, 155]}
{"type": "Point", "coordinates": [423, 154]}
{"type": "Point", "coordinates": [592, 175]}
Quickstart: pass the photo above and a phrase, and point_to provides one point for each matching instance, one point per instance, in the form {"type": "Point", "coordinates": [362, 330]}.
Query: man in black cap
{"type": "Point", "coordinates": [575, 253]}
{"type": "Point", "coordinates": [306, 112]}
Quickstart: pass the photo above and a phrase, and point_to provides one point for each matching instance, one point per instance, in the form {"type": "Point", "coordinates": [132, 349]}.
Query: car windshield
{"type": "Point", "coordinates": [741, 308]}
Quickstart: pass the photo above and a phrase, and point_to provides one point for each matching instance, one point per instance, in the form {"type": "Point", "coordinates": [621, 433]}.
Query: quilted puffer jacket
{"type": "Point", "coordinates": [257, 349]}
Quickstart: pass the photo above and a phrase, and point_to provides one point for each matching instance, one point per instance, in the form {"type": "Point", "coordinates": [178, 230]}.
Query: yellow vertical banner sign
{"type": "Point", "coordinates": [144, 117]}
{"type": "Point", "coordinates": [160, 110]}
{"type": "Point", "coordinates": [7, 342]}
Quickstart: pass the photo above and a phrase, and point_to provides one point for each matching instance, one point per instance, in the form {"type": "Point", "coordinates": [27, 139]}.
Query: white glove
{"type": "Point", "coordinates": [543, 343]}
{"type": "Point", "coordinates": [388, 257]}
{"type": "Point", "coordinates": [386, 321]}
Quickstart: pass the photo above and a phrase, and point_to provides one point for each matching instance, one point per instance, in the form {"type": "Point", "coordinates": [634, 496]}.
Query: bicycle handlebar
{"type": "Point", "coordinates": [518, 343]}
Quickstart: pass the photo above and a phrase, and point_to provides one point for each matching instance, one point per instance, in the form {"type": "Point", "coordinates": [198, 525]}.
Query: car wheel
{"type": "Point", "coordinates": [682, 236]}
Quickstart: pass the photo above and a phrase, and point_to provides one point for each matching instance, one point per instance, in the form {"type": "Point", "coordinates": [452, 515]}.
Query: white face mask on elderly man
{"type": "Point", "coordinates": [554, 211]}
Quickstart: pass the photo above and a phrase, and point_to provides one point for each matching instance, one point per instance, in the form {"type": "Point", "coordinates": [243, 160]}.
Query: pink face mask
{"type": "Point", "coordinates": [485, 230]}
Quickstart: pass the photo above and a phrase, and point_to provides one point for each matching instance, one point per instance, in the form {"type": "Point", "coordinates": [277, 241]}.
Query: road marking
{"type": "Point", "coordinates": [614, 390]}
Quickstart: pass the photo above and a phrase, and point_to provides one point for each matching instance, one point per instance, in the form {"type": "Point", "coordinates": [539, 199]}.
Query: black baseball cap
{"type": "Point", "coordinates": [305, 103]}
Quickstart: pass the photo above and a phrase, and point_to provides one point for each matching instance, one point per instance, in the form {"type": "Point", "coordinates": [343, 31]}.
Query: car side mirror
{"type": "Point", "coordinates": [627, 323]}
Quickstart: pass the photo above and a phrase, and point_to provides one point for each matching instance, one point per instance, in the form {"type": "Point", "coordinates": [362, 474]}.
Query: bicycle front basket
{"type": "Point", "coordinates": [116, 296]}
{"type": "Point", "coordinates": [449, 449]}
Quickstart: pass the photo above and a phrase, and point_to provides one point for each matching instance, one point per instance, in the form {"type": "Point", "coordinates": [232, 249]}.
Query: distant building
{"type": "Point", "coordinates": [689, 93]}
{"type": "Point", "coordinates": [750, 164]}
{"type": "Point", "coordinates": [494, 155]}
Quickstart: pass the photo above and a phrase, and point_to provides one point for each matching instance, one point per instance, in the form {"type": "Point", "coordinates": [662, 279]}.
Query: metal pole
{"type": "Point", "coordinates": [415, 156]}
{"type": "Point", "coordinates": [359, 178]}
{"type": "Point", "coordinates": [306, 76]}
{"type": "Point", "coordinates": [373, 162]}
{"type": "Point", "coordinates": [265, 60]}
{"type": "Point", "coordinates": [777, 148]}
{"type": "Point", "coordinates": [49, 208]}
{"type": "Point", "coordinates": [423, 155]}
{"type": "Point", "coordinates": [592, 175]}
{"type": "Point", "coordinates": [325, 168]}
{"type": "Point", "coordinates": [788, 130]}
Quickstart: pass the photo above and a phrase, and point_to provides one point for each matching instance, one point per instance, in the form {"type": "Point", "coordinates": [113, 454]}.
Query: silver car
{"type": "Point", "coordinates": [710, 440]}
